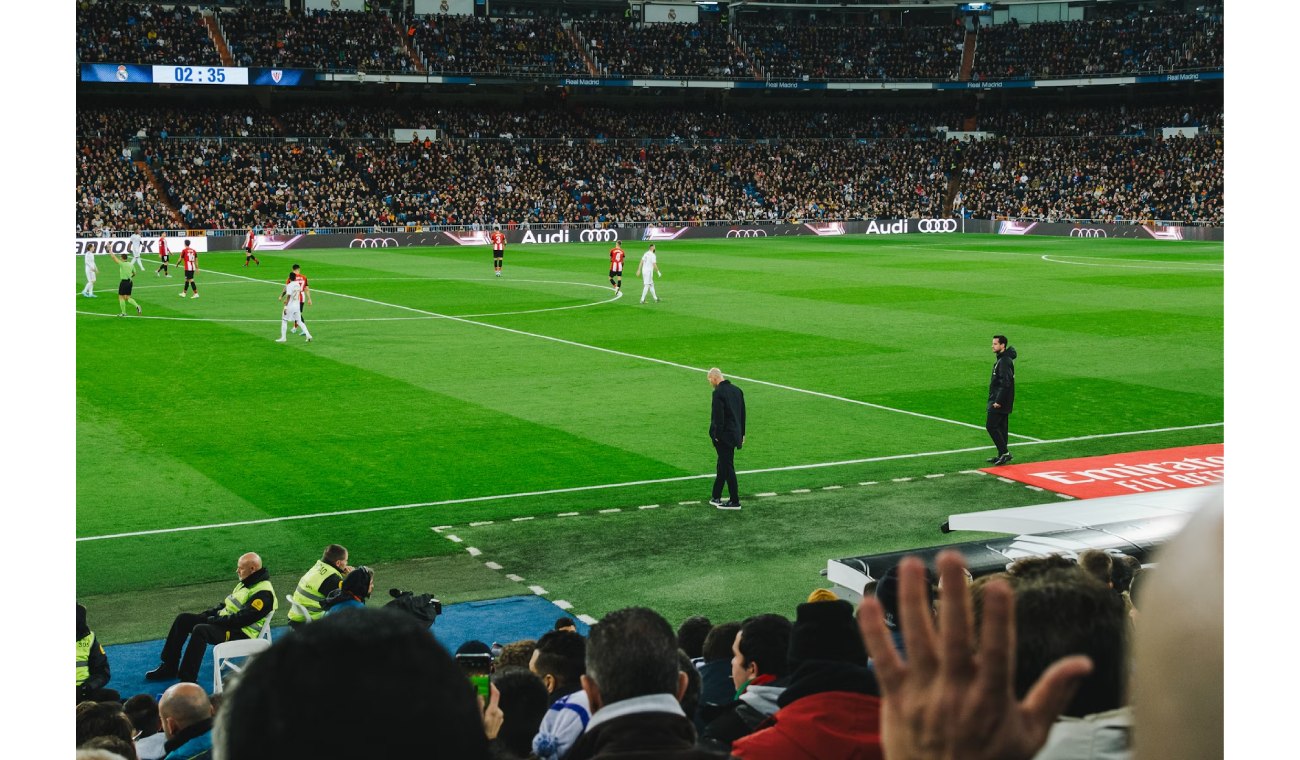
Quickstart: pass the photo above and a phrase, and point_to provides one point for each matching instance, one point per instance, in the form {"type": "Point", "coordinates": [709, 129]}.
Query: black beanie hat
{"type": "Point", "coordinates": [887, 593]}
{"type": "Point", "coordinates": [826, 631]}
{"type": "Point", "coordinates": [358, 581]}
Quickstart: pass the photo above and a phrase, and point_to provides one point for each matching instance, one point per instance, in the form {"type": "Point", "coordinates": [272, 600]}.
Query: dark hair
{"type": "Point", "coordinates": [516, 654]}
{"type": "Point", "coordinates": [142, 710]}
{"type": "Point", "coordinates": [114, 744]}
{"type": "Point", "coordinates": [295, 268]}
{"type": "Point", "coordinates": [1065, 611]}
{"type": "Point", "coordinates": [187, 242]}
{"type": "Point", "coordinates": [1096, 563]}
{"type": "Point", "coordinates": [563, 622]}
{"type": "Point", "coordinates": [632, 652]}
{"type": "Point", "coordinates": [562, 655]}
{"type": "Point", "coordinates": [395, 679]}
{"type": "Point", "coordinates": [333, 553]}
{"type": "Point", "coordinates": [765, 641]}
{"type": "Point", "coordinates": [1030, 567]}
{"type": "Point", "coordinates": [717, 645]}
{"type": "Point", "coordinates": [1123, 570]}
{"type": "Point", "coordinates": [690, 700]}
{"type": "Point", "coordinates": [102, 719]}
{"type": "Point", "coordinates": [1000, 339]}
{"type": "Point", "coordinates": [524, 702]}
{"type": "Point", "coordinates": [691, 633]}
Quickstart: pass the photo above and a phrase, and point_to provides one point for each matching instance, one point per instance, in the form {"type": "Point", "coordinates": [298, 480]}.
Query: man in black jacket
{"type": "Point", "coordinates": [1002, 395]}
{"type": "Point", "coordinates": [727, 430]}
{"type": "Point", "coordinates": [238, 617]}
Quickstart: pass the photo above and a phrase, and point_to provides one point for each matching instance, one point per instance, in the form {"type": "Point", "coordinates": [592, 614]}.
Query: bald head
{"type": "Point", "coordinates": [182, 706]}
{"type": "Point", "coordinates": [248, 564]}
{"type": "Point", "coordinates": [715, 377]}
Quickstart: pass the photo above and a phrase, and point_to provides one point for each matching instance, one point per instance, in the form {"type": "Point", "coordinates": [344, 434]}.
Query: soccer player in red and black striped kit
{"type": "Point", "coordinates": [162, 254]}
{"type": "Point", "coordinates": [248, 249]}
{"type": "Point", "coordinates": [498, 239]}
{"type": "Point", "coordinates": [190, 262]}
{"type": "Point", "coordinates": [616, 267]}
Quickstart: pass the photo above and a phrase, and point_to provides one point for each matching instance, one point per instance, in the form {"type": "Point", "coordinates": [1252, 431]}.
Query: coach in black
{"type": "Point", "coordinates": [727, 430]}
{"type": "Point", "coordinates": [1002, 395]}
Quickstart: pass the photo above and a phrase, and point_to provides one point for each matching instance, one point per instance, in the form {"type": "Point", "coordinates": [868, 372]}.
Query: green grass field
{"type": "Point", "coordinates": [437, 395]}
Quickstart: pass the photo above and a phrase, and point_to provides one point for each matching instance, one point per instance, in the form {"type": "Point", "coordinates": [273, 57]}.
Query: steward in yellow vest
{"type": "Point", "coordinates": [240, 616]}
{"type": "Point", "coordinates": [317, 583]}
{"type": "Point", "coordinates": [92, 665]}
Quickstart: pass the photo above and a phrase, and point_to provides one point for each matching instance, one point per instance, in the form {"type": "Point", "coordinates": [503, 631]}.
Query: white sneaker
{"type": "Point", "coordinates": [280, 340]}
{"type": "Point", "coordinates": [293, 331]}
{"type": "Point", "coordinates": [182, 294]}
{"type": "Point", "coordinates": [309, 339]}
{"type": "Point", "coordinates": [196, 295]}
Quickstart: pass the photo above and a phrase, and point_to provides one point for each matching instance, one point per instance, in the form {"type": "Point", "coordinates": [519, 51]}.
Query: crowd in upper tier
{"type": "Point", "coordinates": [216, 168]}
{"type": "Point", "coordinates": [806, 48]}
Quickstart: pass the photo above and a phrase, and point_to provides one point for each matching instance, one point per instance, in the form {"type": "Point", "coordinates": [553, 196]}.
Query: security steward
{"type": "Point", "coordinates": [323, 577]}
{"type": "Point", "coordinates": [92, 665]}
{"type": "Point", "coordinates": [238, 617]}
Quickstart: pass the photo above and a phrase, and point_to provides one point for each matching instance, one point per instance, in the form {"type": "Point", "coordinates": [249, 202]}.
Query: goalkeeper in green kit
{"type": "Point", "coordinates": [126, 270]}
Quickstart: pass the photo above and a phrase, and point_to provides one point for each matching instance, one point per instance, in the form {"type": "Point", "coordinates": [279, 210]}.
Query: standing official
{"type": "Point", "coordinates": [646, 269]}
{"type": "Point", "coordinates": [727, 431]}
{"type": "Point", "coordinates": [498, 239]}
{"type": "Point", "coordinates": [616, 257]}
{"type": "Point", "coordinates": [1002, 395]}
{"type": "Point", "coordinates": [190, 262]}
{"type": "Point", "coordinates": [125, 285]}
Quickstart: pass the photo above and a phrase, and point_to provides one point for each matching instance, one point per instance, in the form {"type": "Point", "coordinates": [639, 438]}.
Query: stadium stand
{"type": "Point", "coordinates": [130, 33]}
{"type": "Point", "coordinates": [332, 40]}
{"type": "Point", "coordinates": [813, 51]}
{"type": "Point", "coordinates": [470, 45]}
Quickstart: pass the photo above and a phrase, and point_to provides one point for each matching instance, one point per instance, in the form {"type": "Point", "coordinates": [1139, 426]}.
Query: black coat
{"type": "Point", "coordinates": [727, 425]}
{"type": "Point", "coordinates": [641, 736]}
{"type": "Point", "coordinates": [1002, 386]}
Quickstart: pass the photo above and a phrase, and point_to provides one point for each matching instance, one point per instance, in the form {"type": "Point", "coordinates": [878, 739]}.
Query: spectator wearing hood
{"type": "Point", "coordinates": [92, 665]}
{"type": "Point", "coordinates": [830, 708]}
{"type": "Point", "coordinates": [353, 592]}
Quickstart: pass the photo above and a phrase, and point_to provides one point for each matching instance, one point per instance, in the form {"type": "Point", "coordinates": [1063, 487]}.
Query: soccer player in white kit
{"type": "Point", "coordinates": [137, 245]}
{"type": "Point", "coordinates": [648, 267]}
{"type": "Point", "coordinates": [92, 271]}
{"type": "Point", "coordinates": [292, 310]}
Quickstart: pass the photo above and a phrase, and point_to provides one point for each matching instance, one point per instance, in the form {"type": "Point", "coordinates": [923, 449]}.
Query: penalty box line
{"type": "Point", "coordinates": [654, 360]}
{"type": "Point", "coordinates": [606, 486]}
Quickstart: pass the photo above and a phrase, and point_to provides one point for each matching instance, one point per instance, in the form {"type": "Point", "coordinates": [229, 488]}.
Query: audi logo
{"type": "Point", "coordinates": [597, 236]}
{"type": "Point", "coordinates": [746, 233]}
{"type": "Point", "coordinates": [1088, 232]}
{"type": "Point", "coordinates": [374, 243]}
{"type": "Point", "coordinates": [936, 225]}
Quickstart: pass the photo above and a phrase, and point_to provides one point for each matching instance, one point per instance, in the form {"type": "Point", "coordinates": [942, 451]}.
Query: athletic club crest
{"type": "Point", "coordinates": [276, 75]}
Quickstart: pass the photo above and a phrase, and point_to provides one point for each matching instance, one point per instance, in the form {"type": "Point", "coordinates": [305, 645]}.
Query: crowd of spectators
{"type": "Point", "coordinates": [130, 33]}
{"type": "Point", "coordinates": [112, 193]}
{"type": "Point", "coordinates": [1140, 44]}
{"type": "Point", "coordinates": [1101, 178]}
{"type": "Point", "coordinates": [889, 53]}
{"type": "Point", "coordinates": [473, 45]}
{"type": "Point", "coordinates": [1055, 658]}
{"type": "Point", "coordinates": [334, 40]}
{"type": "Point", "coordinates": [663, 50]}
{"type": "Point", "coordinates": [187, 120]}
{"type": "Point", "coordinates": [596, 164]}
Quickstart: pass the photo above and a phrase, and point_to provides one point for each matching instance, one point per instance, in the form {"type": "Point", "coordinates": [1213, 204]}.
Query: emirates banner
{"type": "Point", "coordinates": [1118, 474]}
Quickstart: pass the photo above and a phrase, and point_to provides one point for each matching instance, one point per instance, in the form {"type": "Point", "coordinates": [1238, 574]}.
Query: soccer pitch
{"type": "Point", "coordinates": [437, 395]}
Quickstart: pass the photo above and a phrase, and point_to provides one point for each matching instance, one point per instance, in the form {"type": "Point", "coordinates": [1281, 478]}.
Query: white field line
{"type": "Point", "coordinates": [605, 486]}
{"type": "Point", "coordinates": [1123, 264]}
{"type": "Point", "coordinates": [651, 359]}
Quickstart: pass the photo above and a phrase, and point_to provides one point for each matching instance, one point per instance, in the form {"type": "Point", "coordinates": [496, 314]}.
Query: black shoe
{"type": "Point", "coordinates": [163, 672]}
{"type": "Point", "coordinates": [1004, 459]}
{"type": "Point", "coordinates": [728, 505]}
{"type": "Point", "coordinates": [716, 503]}
{"type": "Point", "coordinates": [993, 459]}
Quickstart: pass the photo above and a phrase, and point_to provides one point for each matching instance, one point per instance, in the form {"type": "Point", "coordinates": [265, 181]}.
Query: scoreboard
{"type": "Point", "coordinates": [132, 73]}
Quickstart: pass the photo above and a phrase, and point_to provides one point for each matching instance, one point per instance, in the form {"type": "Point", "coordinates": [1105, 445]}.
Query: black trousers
{"type": "Point", "coordinates": [998, 425]}
{"type": "Point", "coordinates": [190, 625]}
{"type": "Point", "coordinates": [726, 472]}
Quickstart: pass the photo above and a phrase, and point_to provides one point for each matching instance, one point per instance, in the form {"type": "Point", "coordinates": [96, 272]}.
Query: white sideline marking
{"type": "Point", "coordinates": [973, 472]}
{"type": "Point", "coordinates": [480, 523]}
{"type": "Point", "coordinates": [472, 551]}
{"type": "Point", "coordinates": [1064, 496]}
{"type": "Point", "coordinates": [628, 484]}
{"type": "Point", "coordinates": [454, 538]}
{"type": "Point", "coordinates": [610, 511]}
{"type": "Point", "coordinates": [1006, 480]}
{"type": "Point", "coordinates": [588, 619]}
{"type": "Point", "coordinates": [656, 506]}
{"type": "Point", "coordinates": [491, 566]}
{"type": "Point", "coordinates": [1193, 266]}
{"type": "Point", "coordinates": [936, 475]}
{"type": "Point", "coordinates": [901, 480]}
{"type": "Point", "coordinates": [680, 504]}
{"type": "Point", "coordinates": [869, 483]}
{"type": "Point", "coordinates": [520, 519]}
{"type": "Point", "coordinates": [769, 493]}
{"type": "Point", "coordinates": [441, 528]}
{"type": "Point", "coordinates": [562, 604]}
{"type": "Point", "coordinates": [831, 488]}
{"type": "Point", "coordinates": [1034, 488]}
{"type": "Point", "coordinates": [802, 490]}
{"type": "Point", "coordinates": [627, 355]}
{"type": "Point", "coordinates": [538, 590]}
{"type": "Point", "coordinates": [515, 578]}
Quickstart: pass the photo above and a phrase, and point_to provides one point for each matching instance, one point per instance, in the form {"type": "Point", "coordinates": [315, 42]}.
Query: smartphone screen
{"type": "Point", "coordinates": [481, 684]}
